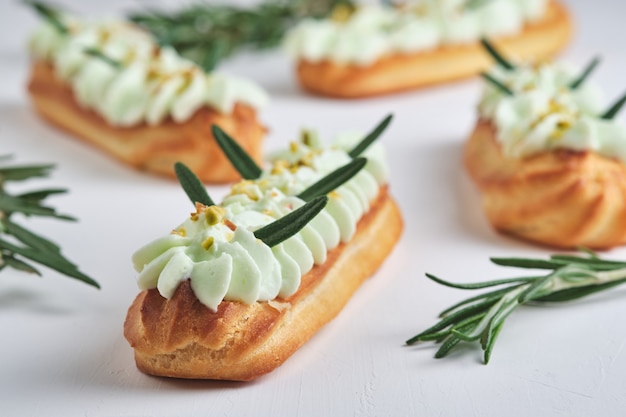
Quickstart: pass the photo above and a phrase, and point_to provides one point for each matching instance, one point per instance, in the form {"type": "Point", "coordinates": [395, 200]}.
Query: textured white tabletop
{"type": "Point", "coordinates": [62, 352]}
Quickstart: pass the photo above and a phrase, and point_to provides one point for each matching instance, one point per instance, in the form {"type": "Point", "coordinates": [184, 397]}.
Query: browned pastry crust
{"type": "Point", "coordinates": [560, 198]}
{"type": "Point", "coordinates": [151, 148]}
{"type": "Point", "coordinates": [182, 338]}
{"type": "Point", "coordinates": [400, 72]}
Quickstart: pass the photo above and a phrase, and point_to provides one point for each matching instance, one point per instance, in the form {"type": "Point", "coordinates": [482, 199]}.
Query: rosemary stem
{"type": "Point", "coordinates": [508, 302]}
{"type": "Point", "coordinates": [608, 276]}
{"type": "Point", "coordinates": [559, 283]}
{"type": "Point", "coordinates": [569, 278]}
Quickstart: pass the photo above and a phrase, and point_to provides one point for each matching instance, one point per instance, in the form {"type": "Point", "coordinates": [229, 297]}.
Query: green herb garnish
{"type": "Point", "coordinates": [271, 234]}
{"type": "Point", "coordinates": [498, 84]}
{"type": "Point", "coordinates": [586, 72]}
{"type": "Point", "coordinates": [475, 4]}
{"type": "Point", "coordinates": [248, 169]}
{"type": "Point", "coordinates": [25, 245]}
{"type": "Point", "coordinates": [285, 227]}
{"type": "Point", "coordinates": [51, 14]}
{"type": "Point", "coordinates": [480, 318]}
{"type": "Point", "coordinates": [371, 137]}
{"type": "Point", "coordinates": [333, 180]}
{"type": "Point", "coordinates": [240, 159]}
{"type": "Point", "coordinates": [192, 185]}
{"type": "Point", "coordinates": [496, 55]}
{"type": "Point", "coordinates": [614, 109]}
{"type": "Point", "coordinates": [96, 53]}
{"type": "Point", "coordinates": [208, 33]}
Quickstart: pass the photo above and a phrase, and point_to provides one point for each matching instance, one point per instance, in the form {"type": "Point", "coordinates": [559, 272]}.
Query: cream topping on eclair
{"type": "Point", "coordinates": [545, 113]}
{"type": "Point", "coordinates": [216, 249]}
{"type": "Point", "coordinates": [138, 80]}
{"type": "Point", "coordinates": [370, 32]}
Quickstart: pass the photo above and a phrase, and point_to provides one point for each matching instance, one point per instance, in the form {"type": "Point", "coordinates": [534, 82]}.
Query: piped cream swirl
{"type": "Point", "coordinates": [149, 82]}
{"type": "Point", "coordinates": [372, 32]}
{"type": "Point", "coordinates": [545, 113]}
{"type": "Point", "coordinates": [215, 248]}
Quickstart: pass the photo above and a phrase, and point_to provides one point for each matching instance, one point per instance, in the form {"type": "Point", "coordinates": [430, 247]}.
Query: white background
{"type": "Point", "coordinates": [62, 352]}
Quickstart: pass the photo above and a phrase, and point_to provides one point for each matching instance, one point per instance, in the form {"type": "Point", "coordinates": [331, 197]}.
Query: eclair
{"type": "Point", "coordinates": [380, 49]}
{"type": "Point", "coordinates": [548, 158]}
{"type": "Point", "coordinates": [109, 83]}
{"type": "Point", "coordinates": [221, 300]}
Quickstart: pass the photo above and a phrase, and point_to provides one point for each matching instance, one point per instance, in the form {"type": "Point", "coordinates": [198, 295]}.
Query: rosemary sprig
{"type": "Point", "coordinates": [496, 55]}
{"type": "Point", "coordinates": [585, 74]}
{"type": "Point", "coordinates": [27, 245]}
{"type": "Point", "coordinates": [285, 227]}
{"type": "Point", "coordinates": [96, 53]}
{"type": "Point", "coordinates": [480, 318]}
{"type": "Point", "coordinates": [248, 169]}
{"type": "Point", "coordinates": [192, 185]}
{"type": "Point", "coordinates": [271, 234]}
{"type": "Point", "coordinates": [498, 84]}
{"type": "Point", "coordinates": [242, 162]}
{"type": "Point", "coordinates": [371, 137]}
{"type": "Point", "coordinates": [49, 13]}
{"type": "Point", "coordinates": [208, 33]}
{"type": "Point", "coordinates": [475, 4]}
{"type": "Point", "coordinates": [614, 109]}
{"type": "Point", "coordinates": [333, 180]}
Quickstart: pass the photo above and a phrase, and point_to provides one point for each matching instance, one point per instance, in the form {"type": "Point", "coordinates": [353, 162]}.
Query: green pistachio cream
{"type": "Point", "coordinates": [374, 31]}
{"type": "Point", "coordinates": [216, 249]}
{"type": "Point", "coordinates": [138, 81]}
{"type": "Point", "coordinates": [544, 112]}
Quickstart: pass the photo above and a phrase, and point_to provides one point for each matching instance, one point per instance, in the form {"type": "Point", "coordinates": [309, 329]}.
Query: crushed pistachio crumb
{"type": "Point", "coordinates": [244, 187]}
{"type": "Point", "coordinates": [341, 13]}
{"type": "Point", "coordinates": [214, 214]}
{"type": "Point", "coordinates": [131, 55]}
{"type": "Point", "coordinates": [208, 243]}
{"type": "Point", "coordinates": [305, 137]}
{"type": "Point", "coordinates": [181, 232]}
{"type": "Point", "coordinates": [279, 167]}
{"type": "Point", "coordinates": [188, 77]}
{"type": "Point", "coordinates": [103, 37]}
{"type": "Point", "coordinates": [560, 129]}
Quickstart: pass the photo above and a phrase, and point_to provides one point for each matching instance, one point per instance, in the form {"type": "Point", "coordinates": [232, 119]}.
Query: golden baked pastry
{"type": "Point", "coordinates": [537, 40]}
{"type": "Point", "coordinates": [182, 338]}
{"type": "Point", "coordinates": [550, 165]}
{"type": "Point", "coordinates": [178, 328]}
{"type": "Point", "coordinates": [562, 198]}
{"type": "Point", "coordinates": [109, 84]}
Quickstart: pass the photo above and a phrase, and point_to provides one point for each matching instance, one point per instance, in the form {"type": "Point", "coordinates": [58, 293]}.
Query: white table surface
{"type": "Point", "coordinates": [62, 352]}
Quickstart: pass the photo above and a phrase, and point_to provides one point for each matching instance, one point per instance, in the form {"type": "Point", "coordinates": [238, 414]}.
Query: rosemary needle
{"type": "Point", "coordinates": [271, 234]}
{"type": "Point", "coordinates": [585, 74]}
{"type": "Point", "coordinates": [497, 55]}
{"type": "Point", "coordinates": [239, 158]}
{"type": "Point", "coordinates": [480, 318]}
{"type": "Point", "coordinates": [497, 83]}
{"type": "Point", "coordinates": [614, 109]}
{"type": "Point", "coordinates": [370, 137]}
{"type": "Point", "coordinates": [192, 185]}
{"type": "Point", "coordinates": [96, 53]}
{"type": "Point", "coordinates": [333, 180]}
{"type": "Point", "coordinates": [23, 247]}
{"type": "Point", "coordinates": [49, 13]}
{"type": "Point", "coordinates": [290, 224]}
